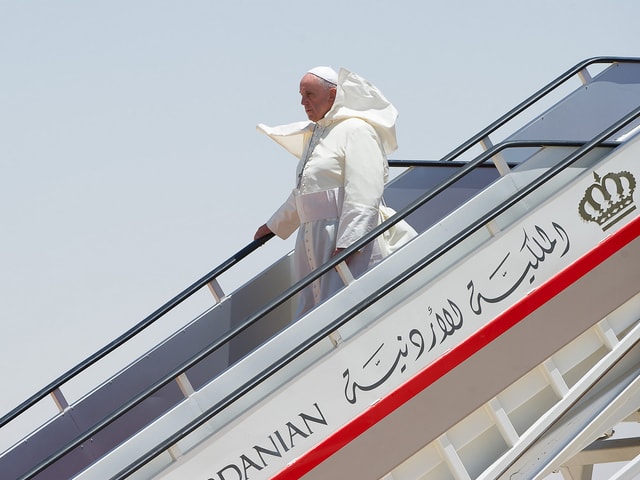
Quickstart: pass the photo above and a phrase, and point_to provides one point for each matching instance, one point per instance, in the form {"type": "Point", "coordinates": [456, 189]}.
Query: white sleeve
{"type": "Point", "coordinates": [364, 174]}
{"type": "Point", "coordinates": [285, 220]}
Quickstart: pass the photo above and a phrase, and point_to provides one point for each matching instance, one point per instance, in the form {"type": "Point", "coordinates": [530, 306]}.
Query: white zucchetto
{"type": "Point", "coordinates": [325, 73]}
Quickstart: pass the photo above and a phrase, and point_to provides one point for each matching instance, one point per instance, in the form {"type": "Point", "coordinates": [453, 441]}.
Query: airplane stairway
{"type": "Point", "coordinates": [501, 342]}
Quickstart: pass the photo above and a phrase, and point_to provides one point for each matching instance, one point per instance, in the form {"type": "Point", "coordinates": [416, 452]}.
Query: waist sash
{"type": "Point", "coordinates": [320, 205]}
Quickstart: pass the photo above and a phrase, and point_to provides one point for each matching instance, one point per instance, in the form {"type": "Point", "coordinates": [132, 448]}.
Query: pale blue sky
{"type": "Point", "coordinates": [130, 161]}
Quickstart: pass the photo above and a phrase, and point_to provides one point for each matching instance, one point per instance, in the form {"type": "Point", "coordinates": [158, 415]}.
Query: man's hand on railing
{"type": "Point", "coordinates": [262, 231]}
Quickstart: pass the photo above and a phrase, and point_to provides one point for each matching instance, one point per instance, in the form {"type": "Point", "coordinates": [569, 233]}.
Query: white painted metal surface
{"type": "Point", "coordinates": [405, 333]}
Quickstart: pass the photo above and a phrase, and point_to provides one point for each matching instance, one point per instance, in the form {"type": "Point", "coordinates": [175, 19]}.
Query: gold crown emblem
{"type": "Point", "coordinates": [608, 199]}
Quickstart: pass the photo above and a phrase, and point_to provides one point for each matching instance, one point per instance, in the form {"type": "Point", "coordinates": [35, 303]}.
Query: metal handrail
{"type": "Point", "coordinates": [508, 144]}
{"type": "Point", "coordinates": [550, 87]}
{"type": "Point", "coordinates": [286, 295]}
{"type": "Point", "coordinates": [384, 290]}
{"type": "Point", "coordinates": [129, 334]}
{"type": "Point", "coordinates": [307, 280]}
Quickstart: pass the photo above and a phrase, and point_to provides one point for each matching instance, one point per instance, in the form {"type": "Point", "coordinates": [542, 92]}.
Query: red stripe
{"type": "Point", "coordinates": [461, 352]}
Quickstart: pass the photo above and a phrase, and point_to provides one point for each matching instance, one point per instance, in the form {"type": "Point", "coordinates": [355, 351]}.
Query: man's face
{"type": "Point", "coordinates": [317, 99]}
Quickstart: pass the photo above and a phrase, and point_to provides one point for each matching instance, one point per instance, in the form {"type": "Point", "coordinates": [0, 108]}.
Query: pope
{"type": "Point", "coordinates": [342, 168]}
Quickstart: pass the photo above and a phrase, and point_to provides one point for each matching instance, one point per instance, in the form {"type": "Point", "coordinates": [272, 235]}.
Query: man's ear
{"type": "Point", "coordinates": [332, 93]}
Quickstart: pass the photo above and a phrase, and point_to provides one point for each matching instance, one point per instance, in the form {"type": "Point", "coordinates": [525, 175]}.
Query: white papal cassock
{"type": "Point", "coordinates": [340, 179]}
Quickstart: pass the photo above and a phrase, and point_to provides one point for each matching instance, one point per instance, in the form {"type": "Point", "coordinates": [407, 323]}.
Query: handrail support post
{"type": "Point", "coordinates": [498, 158]}
{"type": "Point", "coordinates": [216, 290]}
{"type": "Point", "coordinates": [585, 76]}
{"type": "Point", "coordinates": [59, 399]}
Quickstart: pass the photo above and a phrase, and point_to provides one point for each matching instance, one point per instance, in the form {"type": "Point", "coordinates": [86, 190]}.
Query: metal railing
{"type": "Point", "coordinates": [135, 330]}
{"type": "Point", "coordinates": [385, 289]}
{"type": "Point", "coordinates": [475, 140]}
{"type": "Point", "coordinates": [178, 299]}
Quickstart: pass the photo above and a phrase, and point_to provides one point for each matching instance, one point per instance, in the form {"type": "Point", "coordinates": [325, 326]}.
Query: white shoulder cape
{"type": "Point", "coordinates": [355, 97]}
